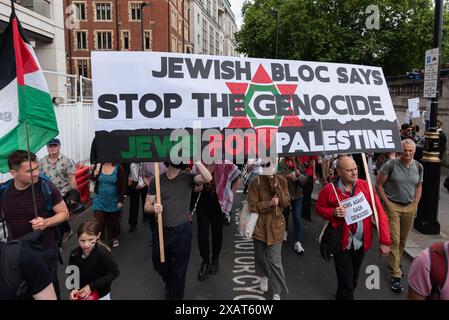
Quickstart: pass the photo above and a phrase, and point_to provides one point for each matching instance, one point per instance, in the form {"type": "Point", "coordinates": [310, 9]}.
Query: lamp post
{"type": "Point", "coordinates": [426, 221]}
{"type": "Point", "coordinates": [144, 4]}
{"type": "Point", "coordinates": [274, 13]}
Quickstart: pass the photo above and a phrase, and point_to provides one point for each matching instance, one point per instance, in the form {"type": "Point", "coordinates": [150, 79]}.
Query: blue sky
{"type": "Point", "coordinates": [236, 6]}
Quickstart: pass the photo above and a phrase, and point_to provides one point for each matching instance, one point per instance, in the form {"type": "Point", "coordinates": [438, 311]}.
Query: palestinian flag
{"type": "Point", "coordinates": [24, 97]}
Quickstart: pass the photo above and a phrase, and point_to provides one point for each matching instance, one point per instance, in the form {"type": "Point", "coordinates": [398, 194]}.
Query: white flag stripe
{"type": "Point", "coordinates": [9, 113]}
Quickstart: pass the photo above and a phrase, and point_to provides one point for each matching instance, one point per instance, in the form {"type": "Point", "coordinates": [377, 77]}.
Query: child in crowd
{"type": "Point", "coordinates": [97, 268]}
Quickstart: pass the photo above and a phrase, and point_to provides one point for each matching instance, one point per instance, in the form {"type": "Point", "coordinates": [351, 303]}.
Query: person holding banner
{"type": "Point", "coordinates": [210, 201]}
{"type": "Point", "coordinates": [289, 167]}
{"type": "Point", "coordinates": [346, 203]}
{"type": "Point", "coordinates": [399, 185]}
{"type": "Point", "coordinates": [268, 196]}
{"type": "Point", "coordinates": [176, 189]}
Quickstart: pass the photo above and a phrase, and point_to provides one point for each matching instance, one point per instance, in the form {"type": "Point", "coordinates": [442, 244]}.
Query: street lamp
{"type": "Point", "coordinates": [426, 221]}
{"type": "Point", "coordinates": [142, 7]}
{"type": "Point", "coordinates": [275, 14]}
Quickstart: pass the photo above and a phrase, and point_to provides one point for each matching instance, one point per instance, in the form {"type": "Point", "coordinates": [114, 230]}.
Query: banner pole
{"type": "Point", "coordinates": [159, 216]}
{"type": "Point", "coordinates": [371, 192]}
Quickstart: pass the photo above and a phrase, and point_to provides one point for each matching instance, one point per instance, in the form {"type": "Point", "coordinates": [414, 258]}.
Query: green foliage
{"type": "Point", "coordinates": [335, 31]}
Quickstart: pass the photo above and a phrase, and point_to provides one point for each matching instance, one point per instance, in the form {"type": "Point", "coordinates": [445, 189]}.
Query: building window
{"type": "Point", "coordinates": [217, 45]}
{"type": "Point", "coordinates": [198, 18]}
{"type": "Point", "coordinates": [179, 46]}
{"type": "Point", "coordinates": [81, 40]}
{"type": "Point", "coordinates": [103, 11]}
{"type": "Point", "coordinates": [104, 40]}
{"type": "Point", "coordinates": [125, 40]}
{"type": "Point", "coordinates": [174, 19]}
{"type": "Point", "coordinates": [208, 6]}
{"type": "Point", "coordinates": [173, 44]}
{"type": "Point", "coordinates": [148, 40]}
{"type": "Point", "coordinates": [204, 36]}
{"type": "Point", "coordinates": [211, 40]}
{"type": "Point", "coordinates": [80, 11]}
{"type": "Point", "coordinates": [136, 11]}
{"type": "Point", "coordinates": [83, 68]}
{"type": "Point", "coordinates": [199, 40]}
{"type": "Point", "coordinates": [180, 25]}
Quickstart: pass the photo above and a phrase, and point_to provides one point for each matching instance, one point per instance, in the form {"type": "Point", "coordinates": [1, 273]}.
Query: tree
{"type": "Point", "coordinates": [336, 31]}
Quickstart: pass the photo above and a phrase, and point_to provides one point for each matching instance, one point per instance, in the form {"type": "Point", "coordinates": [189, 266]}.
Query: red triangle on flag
{"type": "Point", "coordinates": [240, 122]}
{"type": "Point", "coordinates": [261, 76]}
{"type": "Point", "coordinates": [237, 88]}
{"type": "Point", "coordinates": [291, 121]}
{"type": "Point", "coordinates": [287, 88]}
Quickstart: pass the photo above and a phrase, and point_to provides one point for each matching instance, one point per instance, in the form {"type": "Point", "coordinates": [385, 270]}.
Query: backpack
{"type": "Point", "coordinates": [45, 189]}
{"type": "Point", "coordinates": [438, 269]}
{"type": "Point", "coordinates": [10, 261]}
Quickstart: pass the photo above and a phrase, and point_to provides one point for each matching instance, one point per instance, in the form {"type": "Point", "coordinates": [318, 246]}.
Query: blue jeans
{"type": "Point", "coordinates": [296, 207]}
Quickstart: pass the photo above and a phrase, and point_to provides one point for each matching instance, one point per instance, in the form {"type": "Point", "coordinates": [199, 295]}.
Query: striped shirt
{"type": "Point", "coordinates": [17, 206]}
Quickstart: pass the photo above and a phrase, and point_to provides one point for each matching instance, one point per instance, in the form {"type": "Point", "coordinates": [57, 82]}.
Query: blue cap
{"type": "Point", "coordinates": [54, 141]}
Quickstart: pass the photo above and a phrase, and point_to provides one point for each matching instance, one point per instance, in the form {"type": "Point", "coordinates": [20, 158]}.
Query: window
{"type": "Point", "coordinates": [125, 40]}
{"type": "Point", "coordinates": [204, 36]}
{"type": "Point", "coordinates": [80, 11]}
{"type": "Point", "coordinates": [180, 25]}
{"type": "Point", "coordinates": [199, 40]}
{"type": "Point", "coordinates": [81, 40]}
{"type": "Point", "coordinates": [208, 6]}
{"type": "Point", "coordinates": [211, 41]}
{"type": "Point", "coordinates": [148, 40]}
{"type": "Point", "coordinates": [104, 40]}
{"type": "Point", "coordinates": [135, 11]}
{"type": "Point", "coordinates": [217, 45]}
{"type": "Point", "coordinates": [174, 19]}
{"type": "Point", "coordinates": [173, 44]}
{"type": "Point", "coordinates": [83, 68]}
{"type": "Point", "coordinates": [103, 11]}
{"type": "Point", "coordinates": [198, 18]}
{"type": "Point", "coordinates": [179, 46]}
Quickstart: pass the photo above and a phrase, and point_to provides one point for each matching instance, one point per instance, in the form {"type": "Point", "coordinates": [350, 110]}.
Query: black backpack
{"type": "Point", "coordinates": [10, 260]}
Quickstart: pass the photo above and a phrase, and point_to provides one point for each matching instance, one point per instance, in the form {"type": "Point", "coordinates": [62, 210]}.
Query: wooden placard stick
{"type": "Point", "coordinates": [159, 216]}
{"type": "Point", "coordinates": [371, 192]}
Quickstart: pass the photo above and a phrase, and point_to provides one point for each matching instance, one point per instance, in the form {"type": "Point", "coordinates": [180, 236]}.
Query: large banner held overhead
{"type": "Point", "coordinates": [157, 105]}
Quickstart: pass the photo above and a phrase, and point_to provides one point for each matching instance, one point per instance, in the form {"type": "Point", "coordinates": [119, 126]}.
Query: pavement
{"type": "Point", "coordinates": [417, 241]}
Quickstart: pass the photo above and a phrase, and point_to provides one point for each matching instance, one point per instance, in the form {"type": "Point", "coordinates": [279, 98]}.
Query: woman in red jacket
{"type": "Point", "coordinates": [356, 238]}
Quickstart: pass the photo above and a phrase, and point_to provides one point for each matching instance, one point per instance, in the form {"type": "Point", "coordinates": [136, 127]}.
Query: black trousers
{"type": "Point", "coordinates": [135, 197]}
{"type": "Point", "coordinates": [214, 219]}
{"type": "Point", "coordinates": [347, 266]}
{"type": "Point", "coordinates": [178, 244]}
{"type": "Point", "coordinates": [307, 202]}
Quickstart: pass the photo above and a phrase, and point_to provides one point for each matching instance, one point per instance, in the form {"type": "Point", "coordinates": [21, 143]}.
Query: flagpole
{"type": "Point", "coordinates": [33, 192]}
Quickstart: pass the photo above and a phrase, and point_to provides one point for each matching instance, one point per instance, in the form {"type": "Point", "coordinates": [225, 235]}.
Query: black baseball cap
{"type": "Point", "coordinates": [54, 141]}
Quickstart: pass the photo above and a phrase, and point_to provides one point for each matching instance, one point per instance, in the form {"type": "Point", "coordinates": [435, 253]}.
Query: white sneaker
{"type": "Point", "coordinates": [298, 248]}
{"type": "Point", "coordinates": [285, 236]}
{"type": "Point", "coordinates": [276, 296]}
{"type": "Point", "coordinates": [264, 284]}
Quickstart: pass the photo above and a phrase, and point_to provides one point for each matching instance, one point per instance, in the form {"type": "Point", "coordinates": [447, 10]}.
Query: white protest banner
{"type": "Point", "coordinates": [357, 208]}
{"type": "Point", "coordinates": [231, 106]}
{"type": "Point", "coordinates": [413, 104]}
{"type": "Point", "coordinates": [415, 114]}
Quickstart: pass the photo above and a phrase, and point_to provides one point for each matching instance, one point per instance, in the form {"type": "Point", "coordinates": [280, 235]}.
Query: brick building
{"type": "Point", "coordinates": [117, 25]}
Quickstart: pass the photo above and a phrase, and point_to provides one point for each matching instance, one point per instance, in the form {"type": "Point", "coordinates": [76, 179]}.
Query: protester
{"type": "Point", "coordinates": [399, 185]}
{"type": "Point", "coordinates": [422, 284]}
{"type": "Point", "coordinates": [289, 167]}
{"type": "Point", "coordinates": [406, 131]}
{"type": "Point", "coordinates": [34, 272]}
{"type": "Point", "coordinates": [109, 191]}
{"type": "Point", "coordinates": [19, 212]}
{"type": "Point", "coordinates": [61, 171]}
{"type": "Point", "coordinates": [253, 166]}
{"type": "Point", "coordinates": [147, 172]}
{"type": "Point", "coordinates": [357, 237]}
{"type": "Point", "coordinates": [97, 268]}
{"type": "Point", "coordinates": [268, 196]}
{"type": "Point", "coordinates": [137, 192]}
{"type": "Point", "coordinates": [209, 202]}
{"type": "Point", "coordinates": [309, 163]}
{"type": "Point", "coordinates": [176, 190]}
